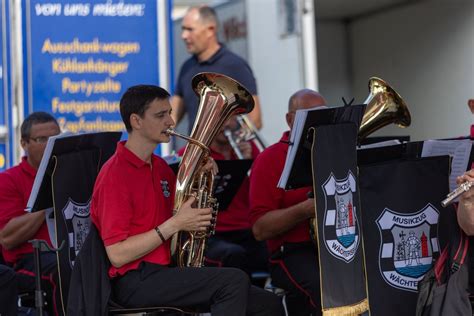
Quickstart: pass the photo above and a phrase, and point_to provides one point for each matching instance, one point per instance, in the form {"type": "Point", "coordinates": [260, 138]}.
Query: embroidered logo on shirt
{"type": "Point", "coordinates": [165, 187]}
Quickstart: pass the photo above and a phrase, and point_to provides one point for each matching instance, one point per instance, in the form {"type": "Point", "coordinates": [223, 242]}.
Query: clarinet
{"type": "Point", "coordinates": [463, 187]}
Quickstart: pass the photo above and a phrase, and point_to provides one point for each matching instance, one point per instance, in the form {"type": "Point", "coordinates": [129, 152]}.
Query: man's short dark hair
{"type": "Point", "coordinates": [32, 119]}
{"type": "Point", "coordinates": [208, 14]}
{"type": "Point", "coordinates": [137, 99]}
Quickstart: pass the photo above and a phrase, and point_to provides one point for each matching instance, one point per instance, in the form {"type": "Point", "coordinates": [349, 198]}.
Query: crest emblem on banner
{"type": "Point", "coordinates": [78, 223]}
{"type": "Point", "coordinates": [408, 242]}
{"type": "Point", "coordinates": [341, 228]}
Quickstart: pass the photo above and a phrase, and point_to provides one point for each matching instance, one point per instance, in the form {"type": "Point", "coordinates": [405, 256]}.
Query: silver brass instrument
{"type": "Point", "coordinates": [463, 187]}
{"type": "Point", "coordinates": [220, 97]}
{"type": "Point", "coordinates": [233, 143]}
{"type": "Point", "coordinates": [247, 132]}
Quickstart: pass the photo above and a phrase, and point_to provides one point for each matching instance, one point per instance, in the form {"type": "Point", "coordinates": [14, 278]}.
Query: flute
{"type": "Point", "coordinates": [463, 187]}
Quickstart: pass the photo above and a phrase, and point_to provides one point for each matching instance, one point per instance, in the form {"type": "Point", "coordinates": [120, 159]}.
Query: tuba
{"type": "Point", "coordinates": [384, 106]}
{"type": "Point", "coordinates": [220, 97]}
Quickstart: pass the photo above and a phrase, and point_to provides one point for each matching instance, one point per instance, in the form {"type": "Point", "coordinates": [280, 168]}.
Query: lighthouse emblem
{"type": "Point", "coordinates": [341, 228]}
{"type": "Point", "coordinates": [408, 242]}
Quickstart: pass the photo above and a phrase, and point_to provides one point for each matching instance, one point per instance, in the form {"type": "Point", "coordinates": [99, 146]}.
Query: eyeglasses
{"type": "Point", "coordinates": [40, 139]}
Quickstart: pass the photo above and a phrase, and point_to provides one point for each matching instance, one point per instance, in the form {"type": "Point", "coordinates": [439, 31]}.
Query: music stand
{"type": "Point", "coordinates": [64, 182]}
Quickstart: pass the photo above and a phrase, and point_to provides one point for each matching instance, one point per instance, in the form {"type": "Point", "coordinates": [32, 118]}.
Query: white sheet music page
{"type": "Point", "coordinates": [295, 137]}
{"type": "Point", "coordinates": [42, 169]}
{"type": "Point", "coordinates": [385, 143]}
{"type": "Point", "coordinates": [459, 149]}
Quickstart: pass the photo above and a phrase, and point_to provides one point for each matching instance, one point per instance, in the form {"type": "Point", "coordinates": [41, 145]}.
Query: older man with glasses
{"type": "Point", "coordinates": [16, 226]}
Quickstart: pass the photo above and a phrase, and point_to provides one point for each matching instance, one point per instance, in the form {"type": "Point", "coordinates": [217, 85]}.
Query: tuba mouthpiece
{"type": "Point", "coordinates": [169, 131]}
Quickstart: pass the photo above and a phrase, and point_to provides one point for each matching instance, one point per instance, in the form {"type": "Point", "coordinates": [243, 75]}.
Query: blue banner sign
{"type": "Point", "coordinates": [3, 157]}
{"type": "Point", "coordinates": [81, 56]}
{"type": "Point", "coordinates": [6, 132]}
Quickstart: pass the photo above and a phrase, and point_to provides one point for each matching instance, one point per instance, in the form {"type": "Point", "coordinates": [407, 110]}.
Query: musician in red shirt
{"type": "Point", "coordinates": [132, 209]}
{"type": "Point", "coordinates": [282, 219]}
{"type": "Point", "coordinates": [17, 226]}
{"type": "Point", "coordinates": [233, 244]}
{"type": "Point", "coordinates": [465, 208]}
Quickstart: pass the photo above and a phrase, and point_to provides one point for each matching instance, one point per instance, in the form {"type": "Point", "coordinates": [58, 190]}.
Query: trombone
{"type": "Point", "coordinates": [247, 132]}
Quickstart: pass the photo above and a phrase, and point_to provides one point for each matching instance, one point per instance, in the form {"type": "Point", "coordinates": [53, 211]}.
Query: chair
{"type": "Point", "coordinates": [92, 264]}
{"type": "Point", "coordinates": [271, 288]}
{"type": "Point", "coordinates": [26, 299]}
{"type": "Point", "coordinates": [260, 278]}
{"type": "Point", "coordinates": [116, 309]}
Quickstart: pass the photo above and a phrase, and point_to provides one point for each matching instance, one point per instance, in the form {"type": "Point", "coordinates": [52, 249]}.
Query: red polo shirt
{"type": "Point", "coordinates": [15, 188]}
{"type": "Point", "coordinates": [266, 197]}
{"type": "Point", "coordinates": [131, 197]}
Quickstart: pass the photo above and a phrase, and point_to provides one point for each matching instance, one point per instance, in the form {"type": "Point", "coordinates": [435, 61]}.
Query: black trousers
{"type": "Point", "coordinates": [221, 291]}
{"type": "Point", "coordinates": [236, 249]}
{"type": "Point", "coordinates": [8, 291]}
{"type": "Point", "coordinates": [295, 269]}
{"type": "Point", "coordinates": [49, 280]}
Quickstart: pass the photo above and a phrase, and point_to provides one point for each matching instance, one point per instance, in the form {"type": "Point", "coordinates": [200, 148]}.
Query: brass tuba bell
{"type": "Point", "coordinates": [220, 97]}
{"type": "Point", "coordinates": [384, 106]}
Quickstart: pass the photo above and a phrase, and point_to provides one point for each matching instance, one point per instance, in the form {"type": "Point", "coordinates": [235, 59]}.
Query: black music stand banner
{"type": "Point", "coordinates": [402, 219]}
{"type": "Point", "coordinates": [338, 220]}
{"type": "Point", "coordinates": [75, 163]}
{"type": "Point", "coordinates": [229, 179]}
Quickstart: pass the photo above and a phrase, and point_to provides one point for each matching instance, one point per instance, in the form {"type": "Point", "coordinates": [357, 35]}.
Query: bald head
{"type": "Point", "coordinates": [303, 99]}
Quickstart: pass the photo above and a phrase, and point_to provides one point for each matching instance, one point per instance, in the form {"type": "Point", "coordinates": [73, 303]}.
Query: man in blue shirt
{"type": "Point", "coordinates": [199, 33]}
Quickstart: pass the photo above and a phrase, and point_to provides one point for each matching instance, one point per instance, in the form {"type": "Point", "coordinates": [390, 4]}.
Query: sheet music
{"type": "Point", "coordinates": [295, 136]}
{"type": "Point", "coordinates": [50, 222]}
{"type": "Point", "coordinates": [42, 169]}
{"type": "Point", "coordinates": [385, 143]}
{"type": "Point", "coordinates": [460, 150]}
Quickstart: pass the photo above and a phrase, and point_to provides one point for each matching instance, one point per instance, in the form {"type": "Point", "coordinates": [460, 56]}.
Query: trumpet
{"type": "Point", "coordinates": [463, 187]}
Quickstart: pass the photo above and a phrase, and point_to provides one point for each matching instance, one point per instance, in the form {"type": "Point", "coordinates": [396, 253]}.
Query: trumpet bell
{"type": "Point", "coordinates": [384, 106]}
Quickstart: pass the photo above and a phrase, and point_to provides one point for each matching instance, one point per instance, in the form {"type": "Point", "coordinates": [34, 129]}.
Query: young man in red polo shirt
{"type": "Point", "coordinates": [282, 219]}
{"type": "Point", "coordinates": [132, 209]}
{"type": "Point", "coordinates": [233, 244]}
{"type": "Point", "coordinates": [16, 226]}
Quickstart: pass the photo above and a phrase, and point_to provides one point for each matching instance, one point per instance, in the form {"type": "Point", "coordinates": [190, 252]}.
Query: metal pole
{"type": "Point", "coordinates": [39, 298]}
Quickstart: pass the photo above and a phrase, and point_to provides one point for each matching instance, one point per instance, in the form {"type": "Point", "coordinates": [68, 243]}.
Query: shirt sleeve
{"type": "Point", "coordinates": [264, 195]}
{"type": "Point", "coordinates": [114, 211]}
{"type": "Point", "coordinates": [11, 200]}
